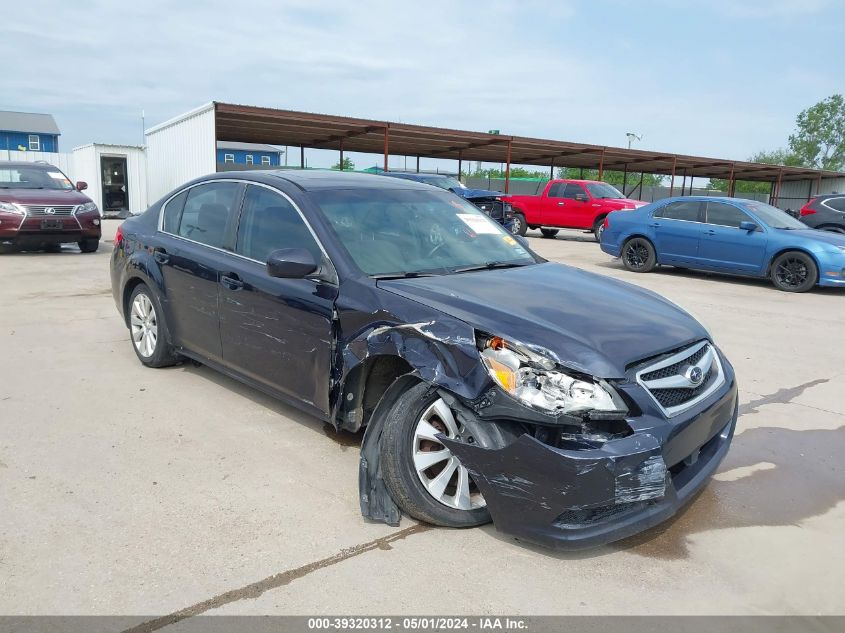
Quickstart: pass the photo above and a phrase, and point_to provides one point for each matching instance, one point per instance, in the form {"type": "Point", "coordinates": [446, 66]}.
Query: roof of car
{"type": "Point", "coordinates": [314, 179]}
{"type": "Point", "coordinates": [23, 163]}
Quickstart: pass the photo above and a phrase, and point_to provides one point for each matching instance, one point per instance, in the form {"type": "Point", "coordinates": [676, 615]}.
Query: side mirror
{"type": "Point", "coordinates": [81, 185]}
{"type": "Point", "coordinates": [747, 226]}
{"type": "Point", "coordinates": [291, 263]}
{"type": "Point", "coordinates": [581, 197]}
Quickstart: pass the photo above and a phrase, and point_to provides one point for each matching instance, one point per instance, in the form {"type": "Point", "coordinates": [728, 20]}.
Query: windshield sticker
{"type": "Point", "coordinates": [509, 240]}
{"type": "Point", "coordinates": [478, 223]}
{"type": "Point", "coordinates": [57, 175]}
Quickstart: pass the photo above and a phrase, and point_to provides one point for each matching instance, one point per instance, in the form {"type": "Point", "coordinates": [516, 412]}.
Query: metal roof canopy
{"type": "Point", "coordinates": [285, 127]}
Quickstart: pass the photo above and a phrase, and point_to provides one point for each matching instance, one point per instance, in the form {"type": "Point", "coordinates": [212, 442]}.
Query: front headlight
{"type": "Point", "coordinates": [10, 207]}
{"type": "Point", "coordinates": [88, 207]}
{"type": "Point", "coordinates": [539, 382]}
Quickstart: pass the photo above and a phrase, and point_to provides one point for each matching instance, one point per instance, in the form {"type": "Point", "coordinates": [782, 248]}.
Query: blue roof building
{"type": "Point", "coordinates": [28, 132]}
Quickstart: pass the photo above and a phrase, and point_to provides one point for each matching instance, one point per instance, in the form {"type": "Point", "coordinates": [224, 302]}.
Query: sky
{"type": "Point", "coordinates": [717, 78]}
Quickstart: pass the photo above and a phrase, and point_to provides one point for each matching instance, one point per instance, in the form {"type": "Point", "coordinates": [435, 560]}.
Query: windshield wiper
{"type": "Point", "coordinates": [488, 266]}
{"type": "Point", "coordinates": [408, 275]}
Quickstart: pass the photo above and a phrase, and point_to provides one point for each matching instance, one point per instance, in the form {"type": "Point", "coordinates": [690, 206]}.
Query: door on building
{"type": "Point", "coordinates": [115, 186]}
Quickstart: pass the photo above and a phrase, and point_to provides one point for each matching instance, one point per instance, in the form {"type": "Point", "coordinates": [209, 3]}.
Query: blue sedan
{"type": "Point", "coordinates": [729, 235]}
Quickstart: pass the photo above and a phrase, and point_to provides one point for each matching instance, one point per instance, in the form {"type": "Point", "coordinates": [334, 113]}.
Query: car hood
{"type": "Point", "coordinates": [469, 194]}
{"type": "Point", "coordinates": [591, 323]}
{"type": "Point", "coordinates": [43, 196]}
{"type": "Point", "coordinates": [624, 203]}
{"type": "Point", "coordinates": [828, 237]}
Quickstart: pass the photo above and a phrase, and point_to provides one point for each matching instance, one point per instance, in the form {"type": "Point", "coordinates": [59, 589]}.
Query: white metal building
{"type": "Point", "coordinates": [116, 176]}
{"type": "Point", "coordinates": [180, 150]}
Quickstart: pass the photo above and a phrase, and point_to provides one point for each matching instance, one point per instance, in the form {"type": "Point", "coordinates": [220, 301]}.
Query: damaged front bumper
{"type": "Point", "coordinates": [574, 498]}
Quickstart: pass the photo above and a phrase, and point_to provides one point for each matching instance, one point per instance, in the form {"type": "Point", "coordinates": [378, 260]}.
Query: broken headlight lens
{"type": "Point", "coordinates": [539, 382]}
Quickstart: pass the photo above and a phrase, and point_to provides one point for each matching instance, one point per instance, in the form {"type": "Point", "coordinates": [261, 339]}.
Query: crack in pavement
{"type": "Point", "coordinates": [781, 396]}
{"type": "Point", "coordinates": [256, 589]}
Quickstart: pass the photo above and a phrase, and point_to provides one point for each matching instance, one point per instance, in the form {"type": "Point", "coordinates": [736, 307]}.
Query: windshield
{"type": "Point", "coordinates": [444, 182]}
{"type": "Point", "coordinates": [603, 190]}
{"type": "Point", "coordinates": [774, 217]}
{"type": "Point", "coordinates": [24, 177]}
{"type": "Point", "coordinates": [400, 232]}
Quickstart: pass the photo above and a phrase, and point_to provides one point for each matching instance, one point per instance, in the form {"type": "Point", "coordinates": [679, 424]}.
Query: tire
{"type": "Point", "coordinates": [549, 232]}
{"type": "Point", "coordinates": [832, 229]}
{"type": "Point", "coordinates": [89, 245]}
{"type": "Point", "coordinates": [598, 229]}
{"type": "Point", "coordinates": [519, 227]}
{"type": "Point", "coordinates": [794, 271]}
{"type": "Point", "coordinates": [145, 318]}
{"type": "Point", "coordinates": [638, 255]}
{"type": "Point", "coordinates": [403, 438]}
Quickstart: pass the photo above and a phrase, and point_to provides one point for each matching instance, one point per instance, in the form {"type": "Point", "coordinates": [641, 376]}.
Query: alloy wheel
{"type": "Point", "coordinates": [144, 325]}
{"type": "Point", "coordinates": [442, 475]}
{"type": "Point", "coordinates": [792, 272]}
{"type": "Point", "coordinates": [636, 254]}
{"type": "Point", "coordinates": [516, 225]}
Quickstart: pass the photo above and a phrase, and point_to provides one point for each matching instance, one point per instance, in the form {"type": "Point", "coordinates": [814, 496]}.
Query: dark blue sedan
{"type": "Point", "coordinates": [729, 235]}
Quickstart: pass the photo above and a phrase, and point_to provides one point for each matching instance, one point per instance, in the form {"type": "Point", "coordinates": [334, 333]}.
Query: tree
{"type": "Point", "coordinates": [773, 157]}
{"type": "Point", "coordinates": [516, 172]}
{"type": "Point", "coordinates": [615, 178]}
{"type": "Point", "coordinates": [819, 140]}
{"type": "Point", "coordinates": [348, 165]}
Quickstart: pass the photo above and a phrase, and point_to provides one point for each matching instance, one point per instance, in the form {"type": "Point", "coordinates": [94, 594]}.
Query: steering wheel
{"type": "Point", "coordinates": [435, 249]}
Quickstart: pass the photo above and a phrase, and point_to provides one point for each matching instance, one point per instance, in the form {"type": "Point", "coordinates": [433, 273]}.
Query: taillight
{"type": "Point", "coordinates": [118, 236]}
{"type": "Point", "coordinates": [806, 210]}
{"type": "Point", "coordinates": [607, 222]}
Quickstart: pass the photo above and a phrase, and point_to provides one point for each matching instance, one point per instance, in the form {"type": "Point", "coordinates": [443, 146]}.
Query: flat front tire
{"type": "Point", "coordinates": [638, 255]}
{"type": "Point", "coordinates": [423, 477]}
{"type": "Point", "coordinates": [148, 330]}
{"type": "Point", "coordinates": [794, 272]}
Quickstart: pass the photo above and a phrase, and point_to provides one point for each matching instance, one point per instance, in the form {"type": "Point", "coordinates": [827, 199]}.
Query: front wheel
{"type": "Point", "coordinates": [794, 272]}
{"type": "Point", "coordinates": [89, 245]}
{"type": "Point", "coordinates": [638, 255]}
{"type": "Point", "coordinates": [598, 229]}
{"type": "Point", "coordinates": [518, 226]}
{"type": "Point", "coordinates": [548, 232]}
{"type": "Point", "coordinates": [423, 477]}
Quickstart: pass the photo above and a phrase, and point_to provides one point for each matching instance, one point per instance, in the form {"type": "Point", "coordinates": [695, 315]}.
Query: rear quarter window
{"type": "Point", "coordinates": [836, 203]}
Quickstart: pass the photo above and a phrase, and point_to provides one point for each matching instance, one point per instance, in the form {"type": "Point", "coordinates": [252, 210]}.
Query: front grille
{"type": "Point", "coordinates": [57, 210]}
{"type": "Point", "coordinates": [681, 380]}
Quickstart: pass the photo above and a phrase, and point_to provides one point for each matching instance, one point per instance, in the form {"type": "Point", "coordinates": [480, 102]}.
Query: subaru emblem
{"type": "Point", "coordinates": [695, 375]}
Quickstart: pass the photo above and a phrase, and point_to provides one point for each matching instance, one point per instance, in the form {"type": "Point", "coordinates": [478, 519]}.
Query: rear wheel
{"type": "Point", "coordinates": [638, 255]}
{"type": "Point", "coordinates": [794, 272]}
{"type": "Point", "coordinates": [150, 337]}
{"type": "Point", "coordinates": [89, 245]}
{"type": "Point", "coordinates": [548, 232]}
{"type": "Point", "coordinates": [518, 226]}
{"type": "Point", "coordinates": [832, 229]}
{"type": "Point", "coordinates": [424, 478]}
{"type": "Point", "coordinates": [598, 229]}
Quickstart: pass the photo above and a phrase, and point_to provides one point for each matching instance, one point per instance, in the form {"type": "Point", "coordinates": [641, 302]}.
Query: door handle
{"type": "Point", "coordinates": [231, 281]}
{"type": "Point", "coordinates": [560, 204]}
{"type": "Point", "coordinates": [710, 232]}
{"type": "Point", "coordinates": [161, 256]}
{"type": "Point", "coordinates": [655, 224]}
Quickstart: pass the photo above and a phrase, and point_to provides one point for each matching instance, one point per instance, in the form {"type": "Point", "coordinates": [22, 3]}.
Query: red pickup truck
{"type": "Point", "coordinates": [569, 204]}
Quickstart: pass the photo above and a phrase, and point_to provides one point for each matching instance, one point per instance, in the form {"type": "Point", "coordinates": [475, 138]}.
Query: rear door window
{"type": "Point", "coordinates": [687, 210]}
{"type": "Point", "coordinates": [207, 211]}
{"type": "Point", "coordinates": [836, 203]}
{"type": "Point", "coordinates": [725, 214]}
{"type": "Point", "coordinates": [270, 222]}
{"type": "Point", "coordinates": [173, 212]}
